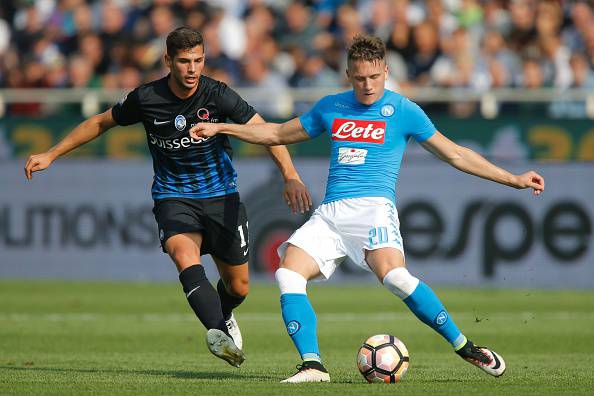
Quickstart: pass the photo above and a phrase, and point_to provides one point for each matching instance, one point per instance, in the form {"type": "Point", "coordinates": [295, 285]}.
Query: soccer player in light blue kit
{"type": "Point", "coordinates": [369, 127]}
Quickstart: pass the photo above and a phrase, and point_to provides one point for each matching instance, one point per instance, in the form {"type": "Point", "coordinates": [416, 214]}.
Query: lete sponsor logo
{"type": "Point", "coordinates": [359, 130]}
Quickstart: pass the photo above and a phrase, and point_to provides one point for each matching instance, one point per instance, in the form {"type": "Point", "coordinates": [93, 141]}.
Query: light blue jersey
{"type": "Point", "coordinates": [367, 141]}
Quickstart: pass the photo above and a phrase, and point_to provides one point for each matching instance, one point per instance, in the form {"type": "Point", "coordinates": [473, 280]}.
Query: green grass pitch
{"type": "Point", "coordinates": [76, 338]}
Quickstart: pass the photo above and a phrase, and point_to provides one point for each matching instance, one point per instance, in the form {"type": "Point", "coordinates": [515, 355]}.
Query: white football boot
{"type": "Point", "coordinates": [483, 358]}
{"type": "Point", "coordinates": [309, 371]}
{"type": "Point", "coordinates": [222, 346]}
{"type": "Point", "coordinates": [233, 328]}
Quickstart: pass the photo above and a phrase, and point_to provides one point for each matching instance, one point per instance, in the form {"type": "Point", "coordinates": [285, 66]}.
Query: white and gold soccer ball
{"type": "Point", "coordinates": [383, 358]}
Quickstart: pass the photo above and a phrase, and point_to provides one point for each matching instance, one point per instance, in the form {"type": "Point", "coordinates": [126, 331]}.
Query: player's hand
{"type": "Point", "coordinates": [204, 130]}
{"type": "Point", "coordinates": [530, 180]}
{"type": "Point", "coordinates": [297, 196]}
{"type": "Point", "coordinates": [38, 162]}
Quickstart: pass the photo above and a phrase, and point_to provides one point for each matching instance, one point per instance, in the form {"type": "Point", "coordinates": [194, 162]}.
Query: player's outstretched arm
{"type": "Point", "coordinates": [268, 134]}
{"type": "Point", "coordinates": [469, 161]}
{"type": "Point", "coordinates": [295, 193]}
{"type": "Point", "coordinates": [86, 131]}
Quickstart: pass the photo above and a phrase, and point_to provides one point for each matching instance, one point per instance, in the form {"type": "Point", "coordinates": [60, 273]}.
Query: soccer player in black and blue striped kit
{"type": "Point", "coordinates": [197, 204]}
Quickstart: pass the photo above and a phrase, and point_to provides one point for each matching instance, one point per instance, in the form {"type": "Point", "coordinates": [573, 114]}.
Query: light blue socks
{"type": "Point", "coordinates": [423, 302]}
{"type": "Point", "coordinates": [300, 320]}
{"type": "Point", "coordinates": [426, 306]}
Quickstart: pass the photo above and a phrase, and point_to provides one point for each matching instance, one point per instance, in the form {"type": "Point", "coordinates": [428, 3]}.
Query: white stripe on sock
{"type": "Point", "coordinates": [192, 291]}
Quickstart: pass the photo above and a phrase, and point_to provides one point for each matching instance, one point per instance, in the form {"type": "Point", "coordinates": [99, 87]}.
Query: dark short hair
{"type": "Point", "coordinates": [366, 48]}
{"type": "Point", "coordinates": [182, 38]}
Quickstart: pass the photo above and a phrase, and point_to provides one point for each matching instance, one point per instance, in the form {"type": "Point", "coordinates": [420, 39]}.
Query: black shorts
{"type": "Point", "coordinates": [221, 220]}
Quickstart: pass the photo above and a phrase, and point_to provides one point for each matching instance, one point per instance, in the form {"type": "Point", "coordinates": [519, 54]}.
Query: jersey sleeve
{"type": "Point", "coordinates": [419, 126]}
{"type": "Point", "coordinates": [233, 106]}
{"type": "Point", "coordinates": [312, 120]}
{"type": "Point", "coordinates": [127, 111]}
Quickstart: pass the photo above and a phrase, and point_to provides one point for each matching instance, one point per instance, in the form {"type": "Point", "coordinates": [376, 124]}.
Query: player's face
{"type": "Point", "coordinates": [186, 67]}
{"type": "Point", "coordinates": [368, 79]}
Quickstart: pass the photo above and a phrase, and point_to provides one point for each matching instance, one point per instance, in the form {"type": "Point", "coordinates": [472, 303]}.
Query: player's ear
{"type": "Point", "coordinates": [348, 66]}
{"type": "Point", "coordinates": [167, 60]}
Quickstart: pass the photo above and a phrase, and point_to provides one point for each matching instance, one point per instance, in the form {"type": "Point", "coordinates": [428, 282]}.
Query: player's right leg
{"type": "Point", "coordinates": [296, 268]}
{"type": "Point", "coordinates": [184, 250]}
{"type": "Point", "coordinates": [313, 251]}
{"type": "Point", "coordinates": [181, 234]}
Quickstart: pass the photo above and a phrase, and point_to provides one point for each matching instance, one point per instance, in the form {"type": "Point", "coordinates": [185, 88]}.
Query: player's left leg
{"type": "Point", "coordinates": [233, 288]}
{"type": "Point", "coordinates": [388, 265]}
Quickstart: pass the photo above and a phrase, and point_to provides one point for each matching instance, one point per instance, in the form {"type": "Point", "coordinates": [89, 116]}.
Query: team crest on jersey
{"type": "Point", "coordinates": [203, 114]}
{"type": "Point", "coordinates": [180, 122]}
{"type": "Point", "coordinates": [387, 110]}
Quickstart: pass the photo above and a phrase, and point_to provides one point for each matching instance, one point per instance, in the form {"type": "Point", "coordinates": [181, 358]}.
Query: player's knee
{"type": "Point", "coordinates": [239, 287]}
{"type": "Point", "coordinates": [290, 281]}
{"type": "Point", "coordinates": [400, 282]}
{"type": "Point", "coordinates": [183, 257]}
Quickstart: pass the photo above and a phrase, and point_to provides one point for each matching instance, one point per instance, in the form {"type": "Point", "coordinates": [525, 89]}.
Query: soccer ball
{"type": "Point", "coordinates": [383, 358]}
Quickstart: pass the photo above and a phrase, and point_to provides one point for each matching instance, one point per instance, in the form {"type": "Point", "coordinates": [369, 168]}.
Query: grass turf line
{"type": "Point", "coordinates": [139, 338]}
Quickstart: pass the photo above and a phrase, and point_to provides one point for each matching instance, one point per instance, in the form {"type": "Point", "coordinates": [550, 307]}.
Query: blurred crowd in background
{"type": "Point", "coordinates": [279, 44]}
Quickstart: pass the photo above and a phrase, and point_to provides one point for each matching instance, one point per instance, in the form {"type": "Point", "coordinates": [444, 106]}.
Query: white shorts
{"type": "Point", "coordinates": [346, 228]}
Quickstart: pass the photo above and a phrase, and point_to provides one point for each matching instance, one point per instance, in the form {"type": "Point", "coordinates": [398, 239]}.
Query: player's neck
{"type": "Point", "coordinates": [179, 90]}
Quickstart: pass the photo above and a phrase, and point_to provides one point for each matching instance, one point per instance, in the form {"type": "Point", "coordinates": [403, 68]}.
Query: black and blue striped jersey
{"type": "Point", "coordinates": [185, 167]}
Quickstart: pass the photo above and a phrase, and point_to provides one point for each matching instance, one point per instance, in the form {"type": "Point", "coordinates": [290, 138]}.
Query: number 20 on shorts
{"type": "Point", "coordinates": [378, 235]}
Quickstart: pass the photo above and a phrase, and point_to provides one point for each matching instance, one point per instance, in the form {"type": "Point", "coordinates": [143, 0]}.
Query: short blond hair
{"type": "Point", "coordinates": [366, 48]}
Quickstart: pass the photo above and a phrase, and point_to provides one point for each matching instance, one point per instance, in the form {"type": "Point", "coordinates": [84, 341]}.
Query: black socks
{"type": "Point", "coordinates": [203, 298]}
{"type": "Point", "coordinates": [228, 301]}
